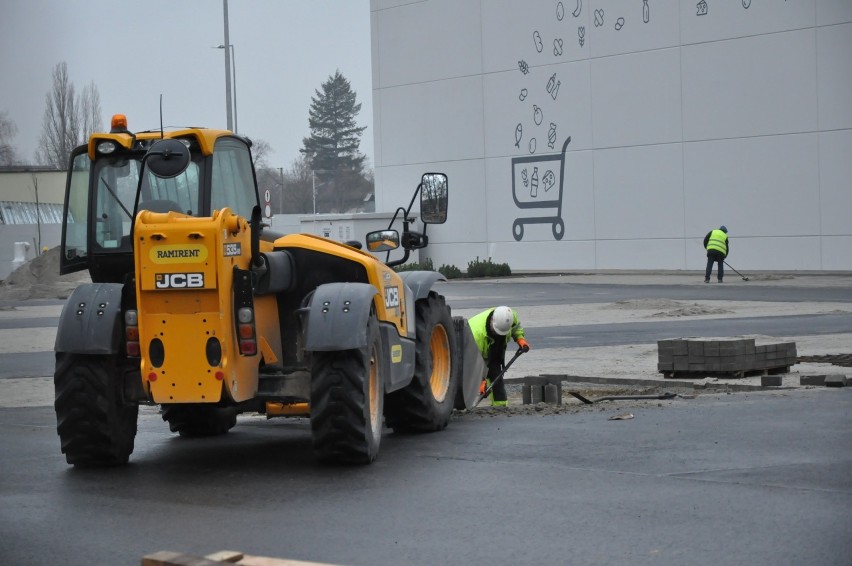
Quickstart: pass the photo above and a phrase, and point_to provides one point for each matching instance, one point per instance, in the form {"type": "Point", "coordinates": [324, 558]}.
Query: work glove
{"type": "Point", "coordinates": [482, 387]}
{"type": "Point", "coordinates": [524, 345]}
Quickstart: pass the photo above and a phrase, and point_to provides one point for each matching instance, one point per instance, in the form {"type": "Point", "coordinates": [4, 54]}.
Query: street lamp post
{"type": "Point", "coordinates": [227, 67]}
{"type": "Point", "coordinates": [233, 68]}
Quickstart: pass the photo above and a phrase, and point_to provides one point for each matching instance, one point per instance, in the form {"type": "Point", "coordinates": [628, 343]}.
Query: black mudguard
{"type": "Point", "coordinates": [421, 282]}
{"type": "Point", "coordinates": [470, 363]}
{"type": "Point", "coordinates": [90, 322]}
{"type": "Point", "coordinates": [338, 315]}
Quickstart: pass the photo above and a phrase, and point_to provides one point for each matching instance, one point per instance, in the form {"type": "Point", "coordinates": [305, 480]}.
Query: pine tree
{"type": "Point", "coordinates": [333, 148]}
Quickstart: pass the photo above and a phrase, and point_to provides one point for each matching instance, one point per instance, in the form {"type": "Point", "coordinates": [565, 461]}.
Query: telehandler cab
{"type": "Point", "coordinates": [198, 307]}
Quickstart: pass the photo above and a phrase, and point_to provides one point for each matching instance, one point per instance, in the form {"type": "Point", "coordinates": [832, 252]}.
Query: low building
{"type": "Point", "coordinates": [31, 199]}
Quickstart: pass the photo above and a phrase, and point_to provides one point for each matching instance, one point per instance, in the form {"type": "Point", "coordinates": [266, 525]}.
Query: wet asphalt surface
{"type": "Point", "coordinates": [746, 478]}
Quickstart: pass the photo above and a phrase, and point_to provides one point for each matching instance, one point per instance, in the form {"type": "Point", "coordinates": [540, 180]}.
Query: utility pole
{"type": "Point", "coordinates": [228, 105]}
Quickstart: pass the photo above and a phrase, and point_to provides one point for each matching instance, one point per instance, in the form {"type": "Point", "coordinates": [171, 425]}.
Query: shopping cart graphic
{"type": "Point", "coordinates": [537, 183]}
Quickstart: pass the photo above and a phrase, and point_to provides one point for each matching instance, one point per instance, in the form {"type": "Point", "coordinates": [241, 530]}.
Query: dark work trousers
{"type": "Point", "coordinates": [715, 256]}
{"type": "Point", "coordinates": [496, 357]}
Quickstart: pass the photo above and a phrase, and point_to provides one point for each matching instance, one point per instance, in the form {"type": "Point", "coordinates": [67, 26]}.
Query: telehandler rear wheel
{"type": "Point", "coordinates": [426, 404]}
{"type": "Point", "coordinates": [96, 426]}
{"type": "Point", "coordinates": [196, 420]}
{"type": "Point", "coordinates": [347, 400]}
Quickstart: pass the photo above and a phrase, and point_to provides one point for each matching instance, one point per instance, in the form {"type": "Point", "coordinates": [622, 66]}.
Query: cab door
{"type": "Point", "coordinates": [75, 214]}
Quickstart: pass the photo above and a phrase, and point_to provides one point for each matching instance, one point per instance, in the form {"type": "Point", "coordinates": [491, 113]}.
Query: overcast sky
{"type": "Point", "coordinates": [136, 50]}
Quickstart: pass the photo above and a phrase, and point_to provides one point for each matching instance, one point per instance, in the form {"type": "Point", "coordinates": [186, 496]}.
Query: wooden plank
{"type": "Point", "coordinates": [168, 558]}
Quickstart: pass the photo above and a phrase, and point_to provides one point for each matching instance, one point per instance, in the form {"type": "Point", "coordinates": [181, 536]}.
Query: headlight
{"type": "Point", "coordinates": [106, 147]}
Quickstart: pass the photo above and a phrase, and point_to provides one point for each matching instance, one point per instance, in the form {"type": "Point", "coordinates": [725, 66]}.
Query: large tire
{"type": "Point", "coordinates": [201, 419]}
{"type": "Point", "coordinates": [347, 401]}
{"type": "Point", "coordinates": [426, 404]}
{"type": "Point", "coordinates": [96, 426]}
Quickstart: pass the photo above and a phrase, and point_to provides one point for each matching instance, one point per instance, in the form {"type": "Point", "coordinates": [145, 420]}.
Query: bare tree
{"type": "Point", "coordinates": [61, 123]}
{"type": "Point", "coordinates": [89, 107]}
{"type": "Point", "coordinates": [260, 150]}
{"type": "Point", "coordinates": [297, 192]}
{"type": "Point", "coordinates": [8, 129]}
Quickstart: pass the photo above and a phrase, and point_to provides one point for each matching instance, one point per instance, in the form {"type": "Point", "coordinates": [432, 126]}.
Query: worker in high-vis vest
{"type": "Point", "coordinates": [492, 329]}
{"type": "Point", "coordinates": [717, 245]}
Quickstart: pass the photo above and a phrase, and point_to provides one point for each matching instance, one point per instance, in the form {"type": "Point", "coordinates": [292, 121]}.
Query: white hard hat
{"type": "Point", "coordinates": [502, 320]}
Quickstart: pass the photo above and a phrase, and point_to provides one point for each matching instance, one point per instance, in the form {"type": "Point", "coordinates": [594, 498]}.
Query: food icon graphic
{"type": "Point", "coordinates": [553, 86]}
{"type": "Point", "coordinates": [537, 41]}
{"type": "Point", "coordinates": [548, 180]}
{"type": "Point", "coordinates": [519, 135]}
{"type": "Point", "coordinates": [534, 183]}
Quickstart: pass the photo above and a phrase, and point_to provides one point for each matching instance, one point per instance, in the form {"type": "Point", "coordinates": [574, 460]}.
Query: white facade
{"type": "Point", "coordinates": [682, 115]}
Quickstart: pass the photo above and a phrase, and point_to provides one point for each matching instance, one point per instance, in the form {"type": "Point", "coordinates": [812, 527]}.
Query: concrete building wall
{"type": "Point", "coordinates": [682, 115]}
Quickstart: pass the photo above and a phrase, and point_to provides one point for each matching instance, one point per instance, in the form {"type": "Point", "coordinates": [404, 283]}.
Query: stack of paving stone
{"type": "Point", "coordinates": [726, 357]}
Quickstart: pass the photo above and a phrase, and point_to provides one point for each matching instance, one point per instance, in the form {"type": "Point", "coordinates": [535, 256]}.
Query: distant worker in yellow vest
{"type": "Point", "coordinates": [492, 329]}
{"type": "Point", "coordinates": [717, 245]}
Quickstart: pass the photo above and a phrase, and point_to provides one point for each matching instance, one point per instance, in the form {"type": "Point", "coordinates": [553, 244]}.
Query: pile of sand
{"type": "Point", "coordinates": [39, 279]}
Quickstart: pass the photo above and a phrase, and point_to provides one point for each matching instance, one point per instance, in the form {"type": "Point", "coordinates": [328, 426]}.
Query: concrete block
{"type": "Point", "coordinates": [836, 380]}
{"type": "Point", "coordinates": [680, 347]}
{"type": "Point", "coordinates": [536, 394]}
{"type": "Point", "coordinates": [680, 363]}
{"type": "Point", "coordinates": [695, 349]}
{"type": "Point", "coordinates": [711, 348]}
{"type": "Point", "coordinates": [770, 380]}
{"type": "Point", "coordinates": [526, 394]}
{"type": "Point", "coordinates": [818, 380]}
{"type": "Point", "coordinates": [552, 394]}
{"type": "Point", "coordinates": [665, 366]}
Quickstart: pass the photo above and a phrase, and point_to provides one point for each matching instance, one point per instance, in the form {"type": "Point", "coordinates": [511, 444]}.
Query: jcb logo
{"type": "Point", "coordinates": [391, 297]}
{"type": "Point", "coordinates": [179, 280]}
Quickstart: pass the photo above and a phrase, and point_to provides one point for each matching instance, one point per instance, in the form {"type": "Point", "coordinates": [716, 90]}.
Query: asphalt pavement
{"type": "Point", "coordinates": [759, 478]}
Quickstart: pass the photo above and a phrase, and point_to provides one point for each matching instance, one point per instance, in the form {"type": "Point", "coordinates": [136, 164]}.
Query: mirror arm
{"type": "Point", "coordinates": [413, 197]}
{"type": "Point", "coordinates": [398, 261]}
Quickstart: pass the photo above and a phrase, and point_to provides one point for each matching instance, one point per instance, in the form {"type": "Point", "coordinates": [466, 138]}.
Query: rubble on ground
{"type": "Point", "coordinates": [39, 279]}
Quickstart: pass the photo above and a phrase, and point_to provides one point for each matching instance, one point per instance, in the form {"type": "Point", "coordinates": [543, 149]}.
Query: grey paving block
{"type": "Point", "coordinates": [770, 380]}
{"type": "Point", "coordinates": [818, 380]}
{"type": "Point", "coordinates": [836, 380]}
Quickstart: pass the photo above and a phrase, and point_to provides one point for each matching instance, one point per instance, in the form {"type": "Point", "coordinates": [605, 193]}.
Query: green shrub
{"type": "Point", "coordinates": [487, 268]}
{"type": "Point", "coordinates": [426, 265]}
{"type": "Point", "coordinates": [450, 271]}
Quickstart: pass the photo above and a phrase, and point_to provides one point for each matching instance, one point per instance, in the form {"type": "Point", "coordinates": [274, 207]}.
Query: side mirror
{"type": "Point", "coordinates": [167, 158]}
{"type": "Point", "coordinates": [382, 241]}
{"type": "Point", "coordinates": [434, 198]}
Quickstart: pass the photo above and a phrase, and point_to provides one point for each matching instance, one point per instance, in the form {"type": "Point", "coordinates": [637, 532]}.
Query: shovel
{"type": "Point", "coordinates": [487, 392]}
{"type": "Point", "coordinates": [586, 401]}
{"type": "Point", "coordinates": [737, 272]}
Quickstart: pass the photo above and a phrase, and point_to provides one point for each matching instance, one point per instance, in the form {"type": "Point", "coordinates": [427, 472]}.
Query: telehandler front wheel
{"type": "Point", "coordinates": [197, 420]}
{"type": "Point", "coordinates": [347, 401]}
{"type": "Point", "coordinates": [427, 402]}
{"type": "Point", "coordinates": [96, 426]}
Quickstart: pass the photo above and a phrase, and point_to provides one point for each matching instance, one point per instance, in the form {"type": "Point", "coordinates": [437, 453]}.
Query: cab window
{"type": "Point", "coordinates": [116, 181]}
{"type": "Point", "coordinates": [232, 180]}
